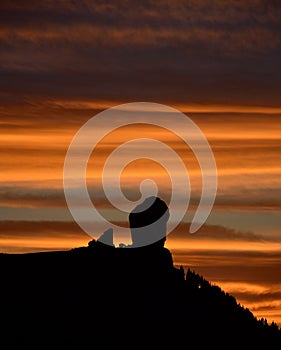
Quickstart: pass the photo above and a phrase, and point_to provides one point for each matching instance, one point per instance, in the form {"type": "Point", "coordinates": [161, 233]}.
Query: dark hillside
{"type": "Point", "coordinates": [110, 296]}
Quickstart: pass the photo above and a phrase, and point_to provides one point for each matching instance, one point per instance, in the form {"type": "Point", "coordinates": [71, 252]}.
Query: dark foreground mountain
{"type": "Point", "coordinates": [100, 297]}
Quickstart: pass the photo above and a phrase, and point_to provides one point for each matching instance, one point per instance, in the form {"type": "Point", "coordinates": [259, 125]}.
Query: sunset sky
{"type": "Point", "coordinates": [218, 62]}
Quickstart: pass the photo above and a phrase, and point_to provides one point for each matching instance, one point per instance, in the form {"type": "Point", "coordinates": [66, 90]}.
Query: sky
{"type": "Point", "coordinates": [217, 62]}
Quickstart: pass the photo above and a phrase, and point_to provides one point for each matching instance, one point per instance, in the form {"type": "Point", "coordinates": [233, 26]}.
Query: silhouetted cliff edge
{"type": "Point", "coordinates": [104, 297]}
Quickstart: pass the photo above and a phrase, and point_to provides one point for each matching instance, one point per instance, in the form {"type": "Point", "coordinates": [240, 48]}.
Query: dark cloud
{"type": "Point", "coordinates": [147, 12]}
{"type": "Point", "coordinates": [240, 197]}
{"type": "Point", "coordinates": [212, 232]}
{"type": "Point", "coordinates": [18, 196]}
{"type": "Point", "coordinates": [37, 229]}
{"type": "Point", "coordinates": [266, 296]}
{"type": "Point", "coordinates": [141, 50]}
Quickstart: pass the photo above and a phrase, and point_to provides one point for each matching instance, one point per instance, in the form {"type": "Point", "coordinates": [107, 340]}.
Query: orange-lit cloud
{"type": "Point", "coordinates": [246, 150]}
{"type": "Point", "coordinates": [91, 23]}
{"type": "Point", "coordinates": [256, 38]}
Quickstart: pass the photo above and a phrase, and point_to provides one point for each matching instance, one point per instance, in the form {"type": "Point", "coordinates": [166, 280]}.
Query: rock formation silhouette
{"type": "Point", "coordinates": [101, 296]}
{"type": "Point", "coordinates": [148, 222]}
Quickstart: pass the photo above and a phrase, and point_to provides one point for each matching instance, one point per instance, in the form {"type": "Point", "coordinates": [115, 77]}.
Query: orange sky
{"type": "Point", "coordinates": [246, 148]}
{"type": "Point", "coordinates": [217, 62]}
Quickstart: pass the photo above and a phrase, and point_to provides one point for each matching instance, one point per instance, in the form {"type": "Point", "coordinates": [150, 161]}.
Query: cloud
{"type": "Point", "coordinates": [31, 197]}
{"type": "Point", "coordinates": [202, 50]}
{"type": "Point", "coordinates": [251, 292]}
{"type": "Point", "coordinates": [212, 232]}
{"type": "Point", "coordinates": [109, 35]}
{"type": "Point", "coordinates": [30, 236]}
{"type": "Point", "coordinates": [39, 229]}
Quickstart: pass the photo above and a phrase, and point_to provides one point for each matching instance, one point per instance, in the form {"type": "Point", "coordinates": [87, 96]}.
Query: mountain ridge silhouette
{"type": "Point", "coordinates": [109, 295]}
